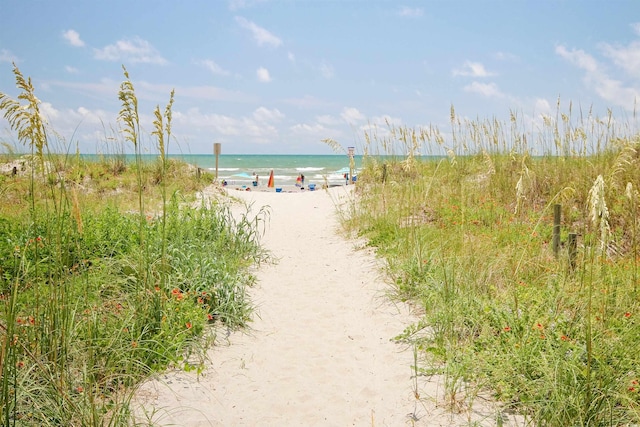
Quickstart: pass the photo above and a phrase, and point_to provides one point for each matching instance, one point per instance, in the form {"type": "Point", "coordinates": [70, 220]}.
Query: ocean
{"type": "Point", "coordinates": [238, 169]}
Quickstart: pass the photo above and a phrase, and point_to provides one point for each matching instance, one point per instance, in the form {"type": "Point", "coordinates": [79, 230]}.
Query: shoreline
{"type": "Point", "coordinates": [287, 188]}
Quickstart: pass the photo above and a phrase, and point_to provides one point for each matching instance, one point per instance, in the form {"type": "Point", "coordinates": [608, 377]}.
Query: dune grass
{"type": "Point", "coordinates": [107, 272]}
{"type": "Point", "coordinates": [468, 238]}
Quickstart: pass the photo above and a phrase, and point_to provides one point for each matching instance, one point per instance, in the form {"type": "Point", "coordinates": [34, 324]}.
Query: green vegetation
{"type": "Point", "coordinates": [468, 239]}
{"type": "Point", "coordinates": [107, 271]}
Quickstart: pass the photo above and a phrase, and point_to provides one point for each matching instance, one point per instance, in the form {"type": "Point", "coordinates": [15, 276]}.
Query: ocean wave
{"type": "Point", "coordinates": [309, 169]}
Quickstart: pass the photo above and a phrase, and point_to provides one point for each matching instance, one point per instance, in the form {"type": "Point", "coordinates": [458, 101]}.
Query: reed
{"type": "Point", "coordinates": [107, 273]}
{"type": "Point", "coordinates": [467, 236]}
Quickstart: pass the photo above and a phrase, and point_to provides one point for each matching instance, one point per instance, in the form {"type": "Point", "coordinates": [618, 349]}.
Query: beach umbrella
{"type": "Point", "coordinates": [271, 184]}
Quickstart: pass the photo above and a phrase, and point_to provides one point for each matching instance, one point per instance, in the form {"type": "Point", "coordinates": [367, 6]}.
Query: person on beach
{"type": "Point", "coordinates": [302, 178]}
{"type": "Point", "coordinates": [255, 180]}
{"type": "Point", "coordinates": [299, 180]}
{"type": "Point", "coordinates": [346, 178]}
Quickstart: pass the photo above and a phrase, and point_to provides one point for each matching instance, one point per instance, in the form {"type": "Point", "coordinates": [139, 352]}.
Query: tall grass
{"type": "Point", "coordinates": [467, 237]}
{"type": "Point", "coordinates": [107, 276]}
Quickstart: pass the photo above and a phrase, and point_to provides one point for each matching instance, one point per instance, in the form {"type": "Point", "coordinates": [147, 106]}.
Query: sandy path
{"type": "Point", "coordinates": [319, 351]}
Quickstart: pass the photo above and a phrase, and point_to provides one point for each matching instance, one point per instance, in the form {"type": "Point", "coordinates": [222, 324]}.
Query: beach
{"type": "Point", "coordinates": [320, 348]}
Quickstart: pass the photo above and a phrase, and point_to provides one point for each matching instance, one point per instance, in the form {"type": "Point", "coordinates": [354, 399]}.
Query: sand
{"type": "Point", "coordinates": [320, 350]}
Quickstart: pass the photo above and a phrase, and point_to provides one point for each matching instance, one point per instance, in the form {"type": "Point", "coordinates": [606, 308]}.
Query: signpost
{"type": "Point", "coordinates": [351, 151]}
{"type": "Point", "coordinates": [217, 149]}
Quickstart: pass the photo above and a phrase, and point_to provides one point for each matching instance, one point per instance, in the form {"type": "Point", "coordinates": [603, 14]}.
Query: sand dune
{"type": "Point", "coordinates": [320, 350]}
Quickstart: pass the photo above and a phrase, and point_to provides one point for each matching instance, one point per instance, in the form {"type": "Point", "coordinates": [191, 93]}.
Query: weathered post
{"type": "Point", "coordinates": [217, 148]}
{"type": "Point", "coordinates": [556, 230]}
{"type": "Point", "coordinates": [351, 163]}
{"type": "Point", "coordinates": [572, 245]}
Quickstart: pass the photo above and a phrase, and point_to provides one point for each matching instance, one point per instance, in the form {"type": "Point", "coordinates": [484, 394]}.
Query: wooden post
{"type": "Point", "coordinates": [556, 230]}
{"type": "Point", "coordinates": [351, 163]}
{"type": "Point", "coordinates": [572, 245]}
{"type": "Point", "coordinates": [217, 149]}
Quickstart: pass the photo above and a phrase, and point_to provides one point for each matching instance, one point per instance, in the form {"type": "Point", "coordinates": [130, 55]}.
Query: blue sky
{"type": "Point", "coordinates": [277, 77]}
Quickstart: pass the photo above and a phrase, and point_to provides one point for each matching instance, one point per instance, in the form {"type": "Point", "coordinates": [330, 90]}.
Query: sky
{"type": "Point", "coordinates": [279, 76]}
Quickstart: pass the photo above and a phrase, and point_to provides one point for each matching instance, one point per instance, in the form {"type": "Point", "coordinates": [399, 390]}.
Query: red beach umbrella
{"type": "Point", "coordinates": [271, 184]}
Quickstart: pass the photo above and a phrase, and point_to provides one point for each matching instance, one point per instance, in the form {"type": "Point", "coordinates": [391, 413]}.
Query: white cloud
{"type": "Point", "coordinates": [260, 35]}
{"type": "Point", "coordinates": [134, 51]}
{"type": "Point", "coordinates": [104, 88]}
{"type": "Point", "coordinates": [263, 75]}
{"type": "Point", "coordinates": [636, 27]}
{"type": "Point", "coordinates": [579, 58]}
{"type": "Point", "coordinates": [263, 114]}
{"type": "Point", "coordinates": [71, 70]}
{"type": "Point", "coordinates": [542, 107]}
{"type": "Point", "coordinates": [472, 69]}
{"type": "Point", "coordinates": [47, 110]}
{"type": "Point", "coordinates": [490, 90]}
{"type": "Point", "coordinates": [351, 115]}
{"type": "Point", "coordinates": [379, 126]}
{"type": "Point", "coordinates": [326, 70]}
{"type": "Point", "coordinates": [291, 57]}
{"type": "Point", "coordinates": [625, 57]}
{"type": "Point", "coordinates": [73, 38]}
{"type": "Point", "coordinates": [598, 80]}
{"type": "Point", "coordinates": [328, 120]}
{"type": "Point", "coordinates": [386, 120]}
{"type": "Point", "coordinates": [260, 131]}
{"type": "Point", "coordinates": [309, 129]}
{"type": "Point", "coordinates": [411, 12]}
{"type": "Point", "coordinates": [7, 56]}
{"type": "Point", "coordinates": [77, 122]}
{"type": "Point", "coordinates": [158, 93]}
{"type": "Point", "coordinates": [214, 68]}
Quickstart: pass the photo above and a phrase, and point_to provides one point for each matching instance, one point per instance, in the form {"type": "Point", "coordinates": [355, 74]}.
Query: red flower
{"type": "Point", "coordinates": [177, 293]}
{"type": "Point", "coordinates": [564, 338]}
{"type": "Point", "coordinates": [627, 315]}
{"type": "Point", "coordinates": [188, 325]}
{"type": "Point", "coordinates": [507, 329]}
{"type": "Point", "coordinates": [209, 316]}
